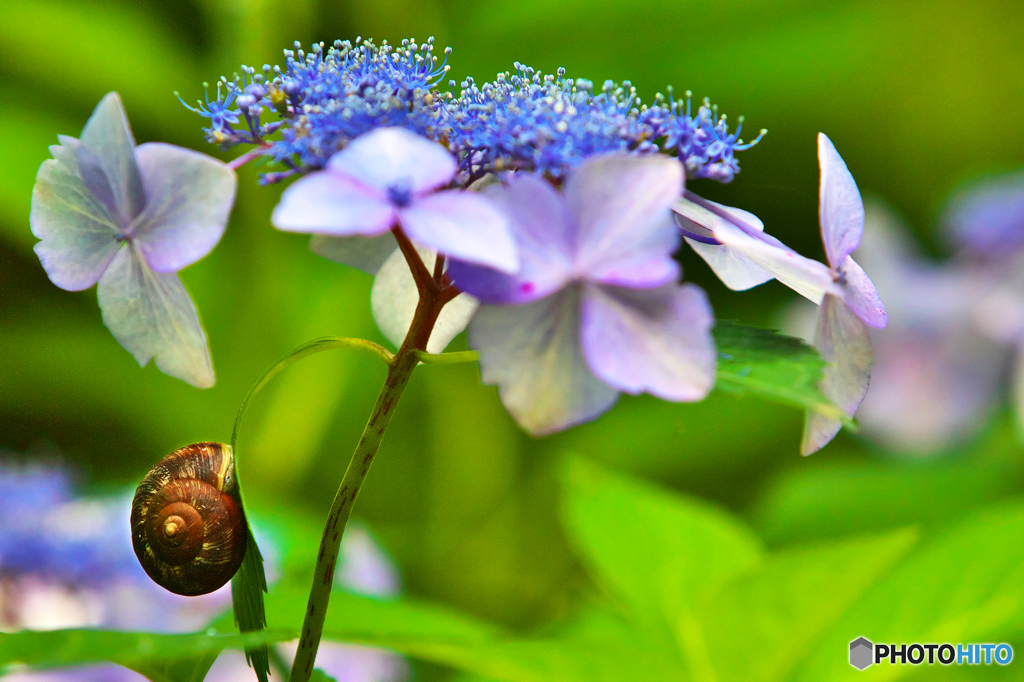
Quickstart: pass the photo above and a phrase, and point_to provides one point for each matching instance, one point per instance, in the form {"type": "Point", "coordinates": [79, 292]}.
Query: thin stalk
{"type": "Point", "coordinates": [432, 299]}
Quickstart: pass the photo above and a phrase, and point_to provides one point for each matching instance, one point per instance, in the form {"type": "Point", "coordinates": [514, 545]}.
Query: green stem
{"type": "Point", "coordinates": [447, 358]}
{"type": "Point", "coordinates": [434, 293]}
{"type": "Point", "coordinates": [249, 584]}
{"type": "Point", "coordinates": [305, 350]}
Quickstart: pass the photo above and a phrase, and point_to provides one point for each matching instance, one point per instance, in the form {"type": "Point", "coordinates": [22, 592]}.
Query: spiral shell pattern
{"type": "Point", "coordinates": [188, 528]}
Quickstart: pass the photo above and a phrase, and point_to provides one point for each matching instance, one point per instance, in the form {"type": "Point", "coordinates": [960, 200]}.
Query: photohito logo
{"type": "Point", "coordinates": [864, 653]}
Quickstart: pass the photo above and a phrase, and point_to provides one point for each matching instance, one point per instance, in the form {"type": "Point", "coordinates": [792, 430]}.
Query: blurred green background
{"type": "Point", "coordinates": [917, 96]}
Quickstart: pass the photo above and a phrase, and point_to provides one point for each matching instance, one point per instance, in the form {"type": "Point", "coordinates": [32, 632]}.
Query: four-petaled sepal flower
{"type": "Point", "coordinates": [129, 218]}
{"type": "Point", "coordinates": [391, 177]}
{"type": "Point", "coordinates": [734, 244]}
{"type": "Point", "coordinates": [595, 308]}
{"type": "Point", "coordinates": [842, 336]}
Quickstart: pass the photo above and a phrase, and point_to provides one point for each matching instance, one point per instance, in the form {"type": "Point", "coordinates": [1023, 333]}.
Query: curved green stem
{"type": "Point", "coordinates": [249, 584]}
{"type": "Point", "coordinates": [305, 350]}
{"type": "Point", "coordinates": [447, 358]}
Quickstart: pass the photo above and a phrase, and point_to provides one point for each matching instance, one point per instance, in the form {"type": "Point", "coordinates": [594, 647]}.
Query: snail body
{"type": "Point", "coordinates": [188, 527]}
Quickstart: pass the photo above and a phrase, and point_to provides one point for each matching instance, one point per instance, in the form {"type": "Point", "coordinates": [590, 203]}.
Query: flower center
{"type": "Point", "coordinates": [400, 194]}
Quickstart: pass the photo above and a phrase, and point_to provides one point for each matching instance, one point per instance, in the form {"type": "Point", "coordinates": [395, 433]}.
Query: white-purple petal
{"type": "Point", "coordinates": [625, 233]}
{"type": "Point", "coordinates": [862, 297]}
{"type": "Point", "coordinates": [532, 352]}
{"type": "Point", "coordinates": [188, 201]}
{"type": "Point", "coordinates": [737, 271]}
{"type": "Point", "coordinates": [152, 316]}
{"type": "Point", "coordinates": [394, 297]}
{"type": "Point", "coordinates": [542, 228]}
{"type": "Point", "coordinates": [396, 158]}
{"type": "Point", "coordinates": [333, 204]}
{"type": "Point", "coordinates": [844, 342]}
{"type": "Point", "coordinates": [363, 253]}
{"type": "Point", "coordinates": [78, 231]}
{"type": "Point", "coordinates": [462, 225]}
{"type": "Point", "coordinates": [109, 141]}
{"type": "Point", "coordinates": [841, 210]}
{"type": "Point", "coordinates": [650, 340]}
{"type": "Point", "coordinates": [807, 277]}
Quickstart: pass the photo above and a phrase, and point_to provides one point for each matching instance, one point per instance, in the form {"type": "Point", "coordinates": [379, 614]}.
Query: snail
{"type": "Point", "coordinates": [188, 527]}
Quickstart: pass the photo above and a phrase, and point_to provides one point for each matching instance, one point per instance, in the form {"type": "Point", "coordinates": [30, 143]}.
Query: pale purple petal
{"type": "Point", "coordinates": [542, 227]}
{"type": "Point", "coordinates": [807, 277]}
{"type": "Point", "coordinates": [532, 352]}
{"type": "Point", "coordinates": [737, 271]}
{"type": "Point", "coordinates": [841, 209]}
{"type": "Point", "coordinates": [462, 225]}
{"type": "Point", "coordinates": [363, 253]}
{"type": "Point", "coordinates": [188, 201]}
{"type": "Point", "coordinates": [862, 297]}
{"type": "Point", "coordinates": [393, 300]}
{"type": "Point", "coordinates": [78, 232]}
{"type": "Point", "coordinates": [333, 204]}
{"type": "Point", "coordinates": [151, 315]}
{"type": "Point", "coordinates": [843, 341]}
{"type": "Point", "coordinates": [396, 157]}
{"type": "Point", "coordinates": [109, 140]}
{"type": "Point", "coordinates": [625, 233]}
{"type": "Point", "coordinates": [650, 340]}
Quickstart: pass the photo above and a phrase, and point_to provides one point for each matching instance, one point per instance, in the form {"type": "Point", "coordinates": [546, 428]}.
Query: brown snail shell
{"type": "Point", "coordinates": [188, 528]}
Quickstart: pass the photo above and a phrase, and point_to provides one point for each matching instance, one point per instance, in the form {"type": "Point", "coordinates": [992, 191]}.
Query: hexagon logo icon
{"type": "Point", "coordinates": [861, 651]}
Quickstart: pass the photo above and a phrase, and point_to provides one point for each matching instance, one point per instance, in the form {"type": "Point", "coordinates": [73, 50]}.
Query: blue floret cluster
{"type": "Point", "coordinates": [47, 531]}
{"type": "Point", "coordinates": [523, 120]}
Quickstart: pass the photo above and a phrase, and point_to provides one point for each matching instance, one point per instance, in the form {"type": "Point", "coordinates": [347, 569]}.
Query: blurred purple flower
{"type": "Point", "coordinates": [943, 362]}
{"type": "Point", "coordinates": [129, 218]}
{"type": "Point", "coordinates": [74, 554]}
{"type": "Point", "coordinates": [67, 561]}
{"type": "Point", "coordinates": [390, 177]}
{"type": "Point", "coordinates": [596, 308]}
{"type": "Point", "coordinates": [987, 218]}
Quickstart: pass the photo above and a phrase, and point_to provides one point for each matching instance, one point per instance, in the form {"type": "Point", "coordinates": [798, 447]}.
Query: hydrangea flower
{"type": "Point", "coordinates": [390, 177]}
{"type": "Point", "coordinates": [596, 308]}
{"type": "Point", "coordinates": [734, 244]}
{"type": "Point", "coordinates": [525, 120]}
{"type": "Point", "coordinates": [129, 218]}
{"type": "Point", "coordinates": [550, 124]}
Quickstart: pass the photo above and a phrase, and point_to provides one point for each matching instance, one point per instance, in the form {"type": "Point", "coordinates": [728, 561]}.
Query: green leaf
{"type": "Point", "coordinates": [656, 551]}
{"type": "Point", "coordinates": [827, 499]}
{"type": "Point", "coordinates": [320, 676]}
{"type": "Point", "coordinates": [966, 585]}
{"type": "Point", "coordinates": [161, 658]}
{"type": "Point", "coordinates": [763, 623]}
{"type": "Point", "coordinates": [780, 368]}
{"type": "Point", "coordinates": [247, 589]}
